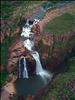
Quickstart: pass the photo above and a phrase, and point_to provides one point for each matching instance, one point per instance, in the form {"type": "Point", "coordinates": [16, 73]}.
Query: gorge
{"type": "Point", "coordinates": [39, 51]}
{"type": "Point", "coordinates": [26, 32]}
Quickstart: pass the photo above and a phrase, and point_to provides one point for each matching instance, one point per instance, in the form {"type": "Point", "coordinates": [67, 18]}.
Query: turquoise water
{"type": "Point", "coordinates": [29, 86]}
{"type": "Point", "coordinates": [49, 5]}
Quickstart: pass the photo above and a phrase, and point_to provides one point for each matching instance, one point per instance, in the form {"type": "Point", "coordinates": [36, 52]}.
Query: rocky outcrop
{"type": "Point", "coordinates": [36, 30]}
{"type": "Point", "coordinates": [53, 56]}
{"type": "Point", "coordinates": [45, 45]}
{"type": "Point", "coordinates": [15, 52]}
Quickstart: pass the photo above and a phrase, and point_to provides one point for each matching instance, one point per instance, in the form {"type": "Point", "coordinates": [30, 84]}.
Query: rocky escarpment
{"type": "Point", "coordinates": [15, 52]}
{"type": "Point", "coordinates": [51, 56]}
{"type": "Point", "coordinates": [54, 49]}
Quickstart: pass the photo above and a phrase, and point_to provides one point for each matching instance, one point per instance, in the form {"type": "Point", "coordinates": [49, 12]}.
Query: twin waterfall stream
{"type": "Point", "coordinates": [26, 33]}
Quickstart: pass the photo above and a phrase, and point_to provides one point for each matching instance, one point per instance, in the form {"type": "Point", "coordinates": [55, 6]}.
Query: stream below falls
{"type": "Point", "coordinates": [25, 84]}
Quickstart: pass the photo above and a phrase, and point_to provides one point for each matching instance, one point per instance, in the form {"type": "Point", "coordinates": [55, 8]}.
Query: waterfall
{"type": "Point", "coordinates": [23, 73]}
{"type": "Point", "coordinates": [39, 70]}
{"type": "Point", "coordinates": [28, 44]}
{"type": "Point", "coordinates": [26, 32]}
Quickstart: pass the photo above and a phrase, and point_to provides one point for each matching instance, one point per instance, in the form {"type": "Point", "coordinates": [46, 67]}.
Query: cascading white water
{"type": "Point", "coordinates": [39, 70]}
{"type": "Point", "coordinates": [26, 32]}
{"type": "Point", "coordinates": [23, 69]}
{"type": "Point", "coordinates": [28, 44]}
{"type": "Point", "coordinates": [25, 72]}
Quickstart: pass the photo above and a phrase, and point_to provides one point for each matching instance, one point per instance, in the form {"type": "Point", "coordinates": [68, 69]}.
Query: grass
{"type": "Point", "coordinates": [71, 65]}
{"type": "Point", "coordinates": [61, 24]}
{"type": "Point", "coordinates": [72, 10]}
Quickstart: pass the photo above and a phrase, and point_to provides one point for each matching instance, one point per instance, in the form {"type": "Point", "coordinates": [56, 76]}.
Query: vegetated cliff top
{"type": "Point", "coordinates": [62, 24]}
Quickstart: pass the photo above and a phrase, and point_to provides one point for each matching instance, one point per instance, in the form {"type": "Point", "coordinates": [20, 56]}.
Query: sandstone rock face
{"type": "Point", "coordinates": [36, 29]}
{"type": "Point", "coordinates": [44, 44]}
{"type": "Point", "coordinates": [52, 55]}
{"type": "Point", "coordinates": [17, 50]}
{"type": "Point", "coordinates": [18, 30]}
{"type": "Point", "coordinates": [47, 39]}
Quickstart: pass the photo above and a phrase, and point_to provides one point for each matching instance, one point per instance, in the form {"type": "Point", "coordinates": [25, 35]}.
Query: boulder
{"type": "Point", "coordinates": [29, 97]}
{"type": "Point", "coordinates": [18, 30]}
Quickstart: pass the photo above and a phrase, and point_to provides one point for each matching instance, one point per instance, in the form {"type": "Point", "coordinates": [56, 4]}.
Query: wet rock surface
{"type": "Point", "coordinates": [30, 66]}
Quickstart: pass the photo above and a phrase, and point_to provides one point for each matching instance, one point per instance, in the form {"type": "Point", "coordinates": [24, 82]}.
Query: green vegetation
{"type": "Point", "coordinates": [3, 76]}
{"type": "Point", "coordinates": [60, 81]}
{"type": "Point", "coordinates": [71, 65]}
{"type": "Point", "coordinates": [4, 49]}
{"type": "Point", "coordinates": [9, 8]}
{"type": "Point", "coordinates": [62, 24]}
{"type": "Point", "coordinates": [4, 57]}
